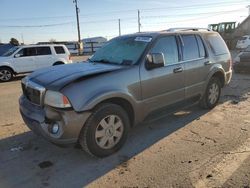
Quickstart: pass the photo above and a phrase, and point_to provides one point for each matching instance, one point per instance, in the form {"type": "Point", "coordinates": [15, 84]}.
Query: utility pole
{"type": "Point", "coordinates": [248, 10]}
{"type": "Point", "coordinates": [78, 26]}
{"type": "Point", "coordinates": [119, 22]}
{"type": "Point", "coordinates": [139, 21]}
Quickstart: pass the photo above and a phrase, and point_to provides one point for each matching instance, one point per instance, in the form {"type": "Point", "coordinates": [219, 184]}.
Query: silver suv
{"type": "Point", "coordinates": [95, 103]}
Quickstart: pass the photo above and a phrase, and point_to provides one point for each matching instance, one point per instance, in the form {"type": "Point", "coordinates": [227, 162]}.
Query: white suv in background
{"type": "Point", "coordinates": [243, 42]}
{"type": "Point", "coordinates": [24, 59]}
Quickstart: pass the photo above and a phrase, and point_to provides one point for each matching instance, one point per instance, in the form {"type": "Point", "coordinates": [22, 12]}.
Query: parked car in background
{"type": "Point", "coordinates": [242, 61]}
{"type": "Point", "coordinates": [24, 59]}
{"type": "Point", "coordinates": [243, 42]}
{"type": "Point", "coordinates": [131, 78]}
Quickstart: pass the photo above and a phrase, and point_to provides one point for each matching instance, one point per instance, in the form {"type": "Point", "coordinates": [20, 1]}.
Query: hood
{"type": "Point", "coordinates": [57, 77]}
{"type": "Point", "coordinates": [2, 58]}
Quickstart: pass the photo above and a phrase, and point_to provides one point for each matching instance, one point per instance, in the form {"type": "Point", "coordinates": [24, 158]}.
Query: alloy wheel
{"type": "Point", "coordinates": [109, 132]}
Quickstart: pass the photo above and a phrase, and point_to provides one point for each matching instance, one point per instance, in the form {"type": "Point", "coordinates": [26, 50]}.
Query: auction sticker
{"type": "Point", "coordinates": [143, 39]}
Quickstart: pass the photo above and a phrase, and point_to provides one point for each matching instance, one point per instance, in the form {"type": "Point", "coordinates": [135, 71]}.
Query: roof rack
{"type": "Point", "coordinates": [187, 29]}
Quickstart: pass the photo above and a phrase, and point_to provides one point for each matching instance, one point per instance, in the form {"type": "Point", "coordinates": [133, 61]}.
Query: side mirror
{"type": "Point", "coordinates": [17, 55]}
{"type": "Point", "coordinates": [154, 60]}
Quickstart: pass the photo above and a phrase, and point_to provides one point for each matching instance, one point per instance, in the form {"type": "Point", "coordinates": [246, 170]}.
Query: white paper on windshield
{"type": "Point", "coordinates": [143, 39]}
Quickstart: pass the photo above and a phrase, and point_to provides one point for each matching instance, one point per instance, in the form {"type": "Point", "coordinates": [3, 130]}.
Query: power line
{"type": "Point", "coordinates": [203, 13]}
{"type": "Point", "coordinates": [198, 5]}
{"type": "Point", "coordinates": [181, 21]}
{"type": "Point", "coordinates": [193, 6]}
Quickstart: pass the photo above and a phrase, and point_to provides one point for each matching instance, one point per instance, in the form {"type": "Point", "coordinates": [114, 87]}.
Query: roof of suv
{"type": "Point", "coordinates": [154, 34]}
{"type": "Point", "coordinates": [41, 45]}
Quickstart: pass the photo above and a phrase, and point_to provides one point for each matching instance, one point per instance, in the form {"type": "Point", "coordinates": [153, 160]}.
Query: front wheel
{"type": "Point", "coordinates": [6, 74]}
{"type": "Point", "coordinates": [105, 131]}
{"type": "Point", "coordinates": [212, 94]}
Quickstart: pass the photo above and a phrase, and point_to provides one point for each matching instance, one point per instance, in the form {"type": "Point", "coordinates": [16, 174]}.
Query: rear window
{"type": "Point", "coordinates": [43, 51]}
{"type": "Point", "coordinates": [59, 50]}
{"type": "Point", "coordinates": [190, 49]}
{"type": "Point", "coordinates": [217, 44]}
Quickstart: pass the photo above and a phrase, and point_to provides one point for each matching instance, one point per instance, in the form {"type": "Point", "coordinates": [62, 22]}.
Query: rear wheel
{"type": "Point", "coordinates": [6, 74]}
{"type": "Point", "coordinates": [212, 94]}
{"type": "Point", "coordinates": [105, 131]}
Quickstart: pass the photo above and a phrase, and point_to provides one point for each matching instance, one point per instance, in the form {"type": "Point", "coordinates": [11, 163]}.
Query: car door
{"type": "Point", "coordinates": [165, 85]}
{"type": "Point", "coordinates": [24, 60]}
{"type": "Point", "coordinates": [44, 57]}
{"type": "Point", "coordinates": [197, 64]}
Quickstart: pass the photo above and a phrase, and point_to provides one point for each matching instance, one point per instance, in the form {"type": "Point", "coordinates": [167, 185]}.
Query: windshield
{"type": "Point", "coordinates": [122, 51]}
{"type": "Point", "coordinates": [11, 51]}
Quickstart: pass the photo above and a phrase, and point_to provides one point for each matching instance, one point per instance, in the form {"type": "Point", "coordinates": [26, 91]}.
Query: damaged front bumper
{"type": "Point", "coordinates": [42, 119]}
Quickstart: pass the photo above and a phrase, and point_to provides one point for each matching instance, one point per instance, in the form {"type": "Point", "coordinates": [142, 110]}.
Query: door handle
{"type": "Point", "coordinates": [208, 63]}
{"type": "Point", "coordinates": [177, 70]}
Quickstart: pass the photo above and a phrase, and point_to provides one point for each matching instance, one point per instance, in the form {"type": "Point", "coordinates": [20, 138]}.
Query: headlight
{"type": "Point", "coordinates": [56, 99]}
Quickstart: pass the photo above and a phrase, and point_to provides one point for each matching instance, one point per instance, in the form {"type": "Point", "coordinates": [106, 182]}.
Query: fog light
{"type": "Point", "coordinates": [55, 128]}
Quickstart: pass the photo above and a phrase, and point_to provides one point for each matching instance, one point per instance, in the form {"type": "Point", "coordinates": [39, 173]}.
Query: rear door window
{"type": "Point", "coordinates": [43, 51]}
{"type": "Point", "coordinates": [168, 46]}
{"type": "Point", "coordinates": [217, 44]}
{"type": "Point", "coordinates": [59, 50]}
{"type": "Point", "coordinates": [190, 48]}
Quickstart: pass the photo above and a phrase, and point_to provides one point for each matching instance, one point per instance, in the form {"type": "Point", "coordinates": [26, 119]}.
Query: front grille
{"type": "Point", "coordinates": [33, 92]}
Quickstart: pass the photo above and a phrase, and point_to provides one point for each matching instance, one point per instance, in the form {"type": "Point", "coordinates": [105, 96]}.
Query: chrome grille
{"type": "Point", "coordinates": [33, 92]}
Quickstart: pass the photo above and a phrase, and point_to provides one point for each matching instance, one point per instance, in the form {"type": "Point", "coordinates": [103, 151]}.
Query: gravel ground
{"type": "Point", "coordinates": [190, 148]}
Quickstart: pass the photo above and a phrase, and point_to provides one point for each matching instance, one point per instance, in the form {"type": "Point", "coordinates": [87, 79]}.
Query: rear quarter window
{"type": "Point", "coordinates": [59, 50]}
{"type": "Point", "coordinates": [216, 44]}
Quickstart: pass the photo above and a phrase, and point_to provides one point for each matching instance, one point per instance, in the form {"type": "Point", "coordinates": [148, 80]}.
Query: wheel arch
{"type": "Point", "coordinates": [125, 104]}
{"type": "Point", "coordinates": [58, 63]}
{"type": "Point", "coordinates": [221, 76]}
{"type": "Point", "coordinates": [217, 71]}
{"type": "Point", "coordinates": [8, 67]}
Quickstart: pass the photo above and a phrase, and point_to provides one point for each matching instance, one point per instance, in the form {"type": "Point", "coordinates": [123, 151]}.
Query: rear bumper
{"type": "Point", "coordinates": [40, 120]}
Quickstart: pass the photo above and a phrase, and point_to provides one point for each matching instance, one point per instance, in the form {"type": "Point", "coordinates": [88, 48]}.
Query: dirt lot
{"type": "Point", "coordinates": [191, 148]}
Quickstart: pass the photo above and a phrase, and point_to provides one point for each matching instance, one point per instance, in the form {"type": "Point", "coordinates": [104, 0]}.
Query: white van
{"type": "Point", "coordinates": [24, 59]}
{"type": "Point", "coordinates": [243, 42]}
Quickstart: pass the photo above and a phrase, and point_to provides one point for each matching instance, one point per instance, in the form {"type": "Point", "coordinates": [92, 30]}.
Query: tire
{"type": "Point", "coordinates": [6, 74]}
{"type": "Point", "coordinates": [100, 137]}
{"type": "Point", "coordinates": [212, 94]}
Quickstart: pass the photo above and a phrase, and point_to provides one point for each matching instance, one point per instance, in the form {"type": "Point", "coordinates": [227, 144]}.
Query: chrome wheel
{"type": "Point", "coordinates": [109, 132]}
{"type": "Point", "coordinates": [214, 93]}
{"type": "Point", "coordinates": [5, 75]}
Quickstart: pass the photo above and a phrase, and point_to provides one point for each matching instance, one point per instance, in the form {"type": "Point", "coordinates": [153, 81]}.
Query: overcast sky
{"type": "Point", "coordinates": [42, 20]}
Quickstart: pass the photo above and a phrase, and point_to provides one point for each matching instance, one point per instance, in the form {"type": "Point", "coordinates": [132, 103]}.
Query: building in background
{"type": "Point", "coordinates": [90, 45]}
